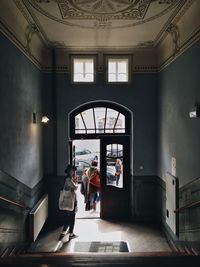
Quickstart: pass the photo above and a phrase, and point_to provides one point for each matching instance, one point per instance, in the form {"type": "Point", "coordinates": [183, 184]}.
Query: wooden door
{"type": "Point", "coordinates": [115, 189]}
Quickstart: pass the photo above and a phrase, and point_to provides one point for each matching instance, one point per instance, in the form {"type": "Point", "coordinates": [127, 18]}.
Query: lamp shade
{"type": "Point", "coordinates": [44, 119]}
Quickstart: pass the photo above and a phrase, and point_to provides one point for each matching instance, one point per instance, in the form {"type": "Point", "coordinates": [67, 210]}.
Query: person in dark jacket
{"type": "Point", "coordinates": [71, 184]}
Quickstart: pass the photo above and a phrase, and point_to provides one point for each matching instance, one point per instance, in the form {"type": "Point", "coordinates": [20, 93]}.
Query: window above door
{"type": "Point", "coordinates": [99, 120]}
{"type": "Point", "coordinates": [83, 70]}
{"type": "Point", "coordinates": [118, 70]}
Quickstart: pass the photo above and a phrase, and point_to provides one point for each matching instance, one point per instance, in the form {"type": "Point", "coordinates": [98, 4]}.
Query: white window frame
{"type": "Point", "coordinates": [117, 60]}
{"type": "Point", "coordinates": [83, 60]}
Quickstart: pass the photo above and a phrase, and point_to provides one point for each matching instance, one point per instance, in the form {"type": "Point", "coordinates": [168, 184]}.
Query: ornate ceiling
{"type": "Point", "coordinates": [102, 23]}
{"type": "Point", "coordinates": [103, 13]}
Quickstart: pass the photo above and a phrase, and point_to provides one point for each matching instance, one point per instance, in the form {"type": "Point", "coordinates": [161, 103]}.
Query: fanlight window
{"type": "Point", "coordinates": [99, 120]}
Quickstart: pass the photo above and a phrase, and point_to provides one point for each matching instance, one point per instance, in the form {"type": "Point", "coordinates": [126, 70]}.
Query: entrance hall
{"type": "Point", "coordinates": [126, 75]}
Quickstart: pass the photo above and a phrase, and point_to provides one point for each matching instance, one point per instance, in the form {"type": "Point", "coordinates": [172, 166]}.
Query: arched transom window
{"type": "Point", "coordinates": [99, 120]}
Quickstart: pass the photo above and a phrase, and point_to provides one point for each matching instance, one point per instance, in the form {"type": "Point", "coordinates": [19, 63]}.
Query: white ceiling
{"type": "Point", "coordinates": [102, 23]}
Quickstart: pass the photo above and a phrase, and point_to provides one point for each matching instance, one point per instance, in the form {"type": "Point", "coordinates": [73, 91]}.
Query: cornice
{"type": "Point", "coordinates": [10, 34]}
{"type": "Point", "coordinates": [194, 37]}
{"type": "Point", "coordinates": [184, 6]}
{"type": "Point", "coordinates": [30, 14]}
{"type": "Point", "coordinates": [23, 10]}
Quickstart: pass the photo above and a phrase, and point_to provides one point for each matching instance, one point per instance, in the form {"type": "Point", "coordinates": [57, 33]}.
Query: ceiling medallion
{"type": "Point", "coordinates": [103, 10]}
{"type": "Point", "coordinates": [103, 13]}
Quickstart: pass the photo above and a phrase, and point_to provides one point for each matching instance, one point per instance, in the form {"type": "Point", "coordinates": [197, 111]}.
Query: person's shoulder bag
{"type": "Point", "coordinates": [66, 198]}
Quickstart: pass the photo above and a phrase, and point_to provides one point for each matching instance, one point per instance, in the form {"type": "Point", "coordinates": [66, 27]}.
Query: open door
{"type": "Point", "coordinates": [115, 177]}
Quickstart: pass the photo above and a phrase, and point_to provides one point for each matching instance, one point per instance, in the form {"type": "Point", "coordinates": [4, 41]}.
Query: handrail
{"type": "Point", "coordinates": [193, 204]}
{"type": "Point", "coordinates": [14, 203]}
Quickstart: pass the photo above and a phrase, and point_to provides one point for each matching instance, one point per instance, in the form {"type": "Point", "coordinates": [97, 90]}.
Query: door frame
{"type": "Point", "coordinates": [128, 132]}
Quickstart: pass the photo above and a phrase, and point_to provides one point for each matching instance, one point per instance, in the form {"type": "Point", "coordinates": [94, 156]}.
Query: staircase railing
{"type": "Point", "coordinates": [191, 205]}
{"type": "Point", "coordinates": [14, 203]}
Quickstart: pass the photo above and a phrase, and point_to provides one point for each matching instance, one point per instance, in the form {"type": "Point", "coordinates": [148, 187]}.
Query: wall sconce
{"type": "Point", "coordinates": [195, 111]}
{"type": "Point", "coordinates": [44, 118]}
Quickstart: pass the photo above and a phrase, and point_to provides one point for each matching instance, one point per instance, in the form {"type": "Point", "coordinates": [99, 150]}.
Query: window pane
{"type": "Point", "coordinates": [78, 77]}
{"type": "Point", "coordinates": [89, 67]}
{"type": "Point", "coordinates": [89, 77]}
{"type": "Point", "coordinates": [79, 126]}
{"type": "Point", "coordinates": [122, 67]}
{"type": "Point", "coordinates": [122, 77]}
{"type": "Point", "coordinates": [120, 125]}
{"type": "Point", "coordinates": [110, 120]}
{"type": "Point", "coordinates": [111, 67]}
{"type": "Point", "coordinates": [83, 70]}
{"type": "Point", "coordinates": [114, 165]}
{"type": "Point", "coordinates": [78, 67]}
{"type": "Point", "coordinates": [88, 119]}
{"type": "Point", "coordinates": [100, 119]}
{"type": "Point", "coordinates": [118, 70]}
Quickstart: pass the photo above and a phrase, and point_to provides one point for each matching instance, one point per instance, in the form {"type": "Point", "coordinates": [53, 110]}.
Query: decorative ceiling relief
{"type": "Point", "coordinates": [43, 1]}
{"type": "Point", "coordinates": [99, 9]}
{"type": "Point", "coordinates": [31, 29]}
{"type": "Point", "coordinates": [173, 30]}
{"type": "Point", "coordinates": [114, 14]}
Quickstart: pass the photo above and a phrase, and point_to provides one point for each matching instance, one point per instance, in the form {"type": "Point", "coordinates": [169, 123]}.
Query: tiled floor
{"type": "Point", "coordinates": [140, 237]}
{"type": "Point", "coordinates": [89, 227]}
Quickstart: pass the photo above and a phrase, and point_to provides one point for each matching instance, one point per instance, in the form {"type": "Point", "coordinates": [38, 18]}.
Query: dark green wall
{"type": "Point", "coordinates": [178, 135]}
{"type": "Point", "coordinates": [140, 96]}
{"type": "Point", "coordinates": [21, 94]}
{"type": "Point", "coordinates": [21, 141]}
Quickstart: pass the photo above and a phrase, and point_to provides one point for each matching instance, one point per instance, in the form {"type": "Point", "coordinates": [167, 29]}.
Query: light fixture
{"type": "Point", "coordinates": [44, 118]}
{"type": "Point", "coordinates": [195, 111]}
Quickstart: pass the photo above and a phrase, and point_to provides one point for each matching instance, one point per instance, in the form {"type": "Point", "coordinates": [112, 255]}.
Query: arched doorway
{"type": "Point", "coordinates": [111, 124]}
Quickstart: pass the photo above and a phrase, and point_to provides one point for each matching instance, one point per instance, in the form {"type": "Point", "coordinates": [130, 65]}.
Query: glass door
{"type": "Point", "coordinates": [115, 177]}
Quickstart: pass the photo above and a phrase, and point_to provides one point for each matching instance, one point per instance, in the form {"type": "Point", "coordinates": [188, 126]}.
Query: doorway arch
{"type": "Point", "coordinates": [90, 106]}
{"type": "Point", "coordinates": [111, 123]}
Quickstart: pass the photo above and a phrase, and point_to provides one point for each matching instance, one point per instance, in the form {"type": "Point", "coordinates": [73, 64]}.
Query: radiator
{"type": "Point", "coordinates": [38, 216]}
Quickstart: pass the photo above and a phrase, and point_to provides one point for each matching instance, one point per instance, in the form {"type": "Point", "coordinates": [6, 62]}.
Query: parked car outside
{"type": "Point", "coordinates": [110, 173]}
{"type": "Point", "coordinates": [113, 155]}
{"type": "Point", "coordinates": [86, 154]}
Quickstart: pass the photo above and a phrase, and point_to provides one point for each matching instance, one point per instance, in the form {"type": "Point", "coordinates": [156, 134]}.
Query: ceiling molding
{"type": "Point", "coordinates": [71, 6]}
{"type": "Point", "coordinates": [103, 11]}
{"type": "Point", "coordinates": [31, 19]}
{"type": "Point", "coordinates": [194, 37]}
{"type": "Point", "coordinates": [186, 32]}
{"type": "Point", "coordinates": [6, 30]}
{"type": "Point", "coordinates": [175, 18]}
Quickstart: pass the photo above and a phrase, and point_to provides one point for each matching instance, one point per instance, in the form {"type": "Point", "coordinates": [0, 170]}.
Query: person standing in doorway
{"type": "Point", "coordinates": [93, 188]}
{"type": "Point", "coordinates": [71, 183]}
{"type": "Point", "coordinates": [118, 170]}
